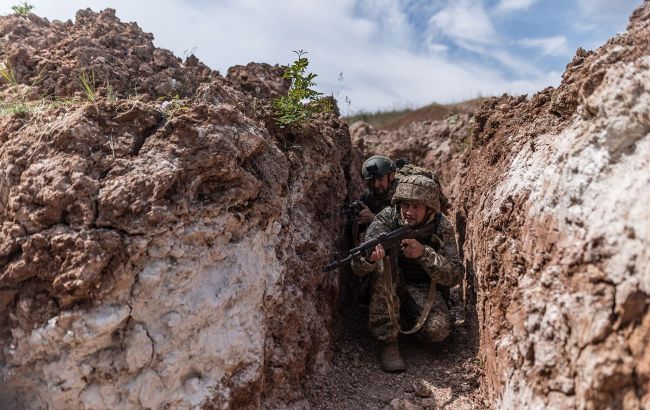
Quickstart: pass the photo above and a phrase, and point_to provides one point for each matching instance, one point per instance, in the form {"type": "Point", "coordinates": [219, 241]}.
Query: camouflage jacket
{"type": "Point", "coordinates": [441, 261]}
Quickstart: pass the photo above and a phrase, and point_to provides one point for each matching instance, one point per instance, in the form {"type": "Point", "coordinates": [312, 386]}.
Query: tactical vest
{"type": "Point", "coordinates": [411, 270]}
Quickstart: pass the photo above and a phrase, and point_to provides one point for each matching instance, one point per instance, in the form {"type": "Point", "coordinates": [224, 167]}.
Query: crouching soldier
{"type": "Point", "coordinates": [407, 279]}
{"type": "Point", "coordinates": [379, 173]}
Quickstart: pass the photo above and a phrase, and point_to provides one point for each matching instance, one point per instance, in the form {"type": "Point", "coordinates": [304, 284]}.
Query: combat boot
{"type": "Point", "coordinates": [391, 361]}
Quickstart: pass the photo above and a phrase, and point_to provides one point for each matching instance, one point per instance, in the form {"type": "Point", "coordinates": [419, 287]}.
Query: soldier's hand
{"type": "Point", "coordinates": [377, 254]}
{"type": "Point", "coordinates": [365, 215]}
{"type": "Point", "coordinates": [411, 248]}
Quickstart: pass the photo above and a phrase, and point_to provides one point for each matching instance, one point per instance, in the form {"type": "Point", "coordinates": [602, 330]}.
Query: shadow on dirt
{"type": "Point", "coordinates": [442, 375]}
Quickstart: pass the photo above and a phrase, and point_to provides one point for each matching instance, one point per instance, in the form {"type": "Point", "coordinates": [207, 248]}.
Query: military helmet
{"type": "Point", "coordinates": [377, 166]}
{"type": "Point", "coordinates": [418, 188]}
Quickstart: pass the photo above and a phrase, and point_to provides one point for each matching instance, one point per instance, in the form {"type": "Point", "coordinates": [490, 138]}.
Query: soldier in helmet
{"type": "Point", "coordinates": [379, 172]}
{"type": "Point", "coordinates": [409, 276]}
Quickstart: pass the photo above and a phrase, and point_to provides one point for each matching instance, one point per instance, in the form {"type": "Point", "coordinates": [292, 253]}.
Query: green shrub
{"type": "Point", "coordinates": [22, 8]}
{"type": "Point", "coordinates": [301, 101]}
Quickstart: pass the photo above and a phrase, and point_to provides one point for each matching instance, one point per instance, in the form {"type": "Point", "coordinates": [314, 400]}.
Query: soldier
{"type": "Point", "coordinates": [410, 276]}
{"type": "Point", "coordinates": [379, 171]}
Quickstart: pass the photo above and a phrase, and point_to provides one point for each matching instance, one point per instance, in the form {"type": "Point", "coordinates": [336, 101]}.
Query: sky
{"type": "Point", "coordinates": [379, 54]}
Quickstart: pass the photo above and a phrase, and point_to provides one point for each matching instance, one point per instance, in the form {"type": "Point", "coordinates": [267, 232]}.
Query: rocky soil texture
{"type": "Point", "coordinates": [549, 196]}
{"type": "Point", "coordinates": [161, 238]}
{"type": "Point", "coordinates": [157, 253]}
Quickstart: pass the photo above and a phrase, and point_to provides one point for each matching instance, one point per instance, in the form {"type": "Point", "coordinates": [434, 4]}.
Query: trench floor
{"type": "Point", "coordinates": [441, 376]}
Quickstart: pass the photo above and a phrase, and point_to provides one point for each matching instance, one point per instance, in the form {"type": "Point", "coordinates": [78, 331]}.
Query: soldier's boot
{"type": "Point", "coordinates": [391, 361]}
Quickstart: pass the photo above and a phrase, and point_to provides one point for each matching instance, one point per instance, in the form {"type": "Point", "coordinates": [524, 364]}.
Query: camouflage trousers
{"type": "Point", "coordinates": [409, 300]}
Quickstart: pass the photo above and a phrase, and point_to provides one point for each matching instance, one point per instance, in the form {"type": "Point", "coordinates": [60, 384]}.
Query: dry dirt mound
{"type": "Point", "coordinates": [429, 143]}
{"type": "Point", "coordinates": [121, 57]}
{"type": "Point", "coordinates": [260, 80]}
{"type": "Point", "coordinates": [149, 251]}
{"type": "Point", "coordinates": [434, 112]}
{"type": "Point", "coordinates": [549, 199]}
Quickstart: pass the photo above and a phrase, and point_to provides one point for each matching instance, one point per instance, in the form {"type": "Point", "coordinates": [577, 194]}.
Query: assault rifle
{"type": "Point", "coordinates": [351, 211]}
{"type": "Point", "coordinates": [389, 240]}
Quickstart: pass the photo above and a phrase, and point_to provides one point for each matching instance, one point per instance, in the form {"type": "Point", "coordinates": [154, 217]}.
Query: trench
{"type": "Point", "coordinates": [483, 363]}
{"type": "Point", "coordinates": [445, 375]}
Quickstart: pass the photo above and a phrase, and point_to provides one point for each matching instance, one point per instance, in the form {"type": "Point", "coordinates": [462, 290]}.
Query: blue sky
{"type": "Point", "coordinates": [392, 54]}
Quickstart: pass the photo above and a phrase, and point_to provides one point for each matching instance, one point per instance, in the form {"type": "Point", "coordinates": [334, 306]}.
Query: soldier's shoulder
{"type": "Point", "coordinates": [444, 224]}
{"type": "Point", "coordinates": [384, 220]}
{"type": "Point", "coordinates": [387, 214]}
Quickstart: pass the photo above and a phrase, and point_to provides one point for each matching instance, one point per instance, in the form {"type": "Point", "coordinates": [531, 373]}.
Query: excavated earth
{"type": "Point", "coordinates": [549, 195]}
{"type": "Point", "coordinates": [161, 238]}
{"type": "Point", "coordinates": [160, 246]}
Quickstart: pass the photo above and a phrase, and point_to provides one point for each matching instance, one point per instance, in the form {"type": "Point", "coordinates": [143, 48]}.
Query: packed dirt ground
{"type": "Point", "coordinates": [443, 376]}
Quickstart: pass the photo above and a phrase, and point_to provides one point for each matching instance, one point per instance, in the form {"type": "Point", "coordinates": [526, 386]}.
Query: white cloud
{"type": "Point", "coordinates": [438, 47]}
{"type": "Point", "coordinates": [597, 6]}
{"type": "Point", "coordinates": [601, 12]}
{"type": "Point", "coordinates": [465, 22]}
{"type": "Point", "coordinates": [368, 40]}
{"type": "Point", "coordinates": [506, 6]}
{"type": "Point", "coordinates": [393, 25]}
{"type": "Point", "coordinates": [521, 68]}
{"type": "Point", "coordinates": [553, 46]}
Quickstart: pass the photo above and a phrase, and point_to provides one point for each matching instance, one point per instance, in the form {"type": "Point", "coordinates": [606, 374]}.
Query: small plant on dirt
{"type": "Point", "coordinates": [7, 73]}
{"type": "Point", "coordinates": [23, 8]}
{"type": "Point", "coordinates": [173, 104]}
{"type": "Point", "coordinates": [111, 95]}
{"type": "Point", "coordinates": [87, 83]}
{"type": "Point", "coordinates": [301, 102]}
{"type": "Point", "coordinates": [14, 108]}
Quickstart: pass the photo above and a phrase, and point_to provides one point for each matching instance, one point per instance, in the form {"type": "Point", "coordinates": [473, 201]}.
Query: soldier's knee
{"type": "Point", "coordinates": [436, 330]}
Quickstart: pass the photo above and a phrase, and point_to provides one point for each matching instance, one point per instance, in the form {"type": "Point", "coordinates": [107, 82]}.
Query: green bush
{"type": "Point", "coordinates": [23, 8]}
{"type": "Point", "coordinates": [301, 101]}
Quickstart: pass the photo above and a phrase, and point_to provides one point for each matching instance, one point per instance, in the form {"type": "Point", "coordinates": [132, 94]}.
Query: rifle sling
{"type": "Point", "coordinates": [390, 265]}
{"type": "Point", "coordinates": [387, 277]}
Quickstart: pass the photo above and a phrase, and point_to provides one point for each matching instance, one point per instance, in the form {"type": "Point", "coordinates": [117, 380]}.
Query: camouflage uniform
{"type": "Point", "coordinates": [378, 166]}
{"type": "Point", "coordinates": [376, 202]}
{"type": "Point", "coordinates": [440, 263]}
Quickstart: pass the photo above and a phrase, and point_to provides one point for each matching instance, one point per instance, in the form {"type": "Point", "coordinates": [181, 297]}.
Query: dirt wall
{"type": "Point", "coordinates": [158, 253]}
{"type": "Point", "coordinates": [548, 195]}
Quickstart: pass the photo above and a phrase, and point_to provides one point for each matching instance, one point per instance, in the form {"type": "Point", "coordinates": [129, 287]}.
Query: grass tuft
{"type": "Point", "coordinates": [87, 83]}
{"type": "Point", "coordinates": [7, 73]}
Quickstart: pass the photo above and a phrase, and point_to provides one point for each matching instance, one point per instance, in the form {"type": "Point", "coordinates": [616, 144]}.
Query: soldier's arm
{"type": "Point", "coordinates": [443, 266]}
{"type": "Point", "coordinates": [382, 223]}
{"type": "Point", "coordinates": [365, 215]}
